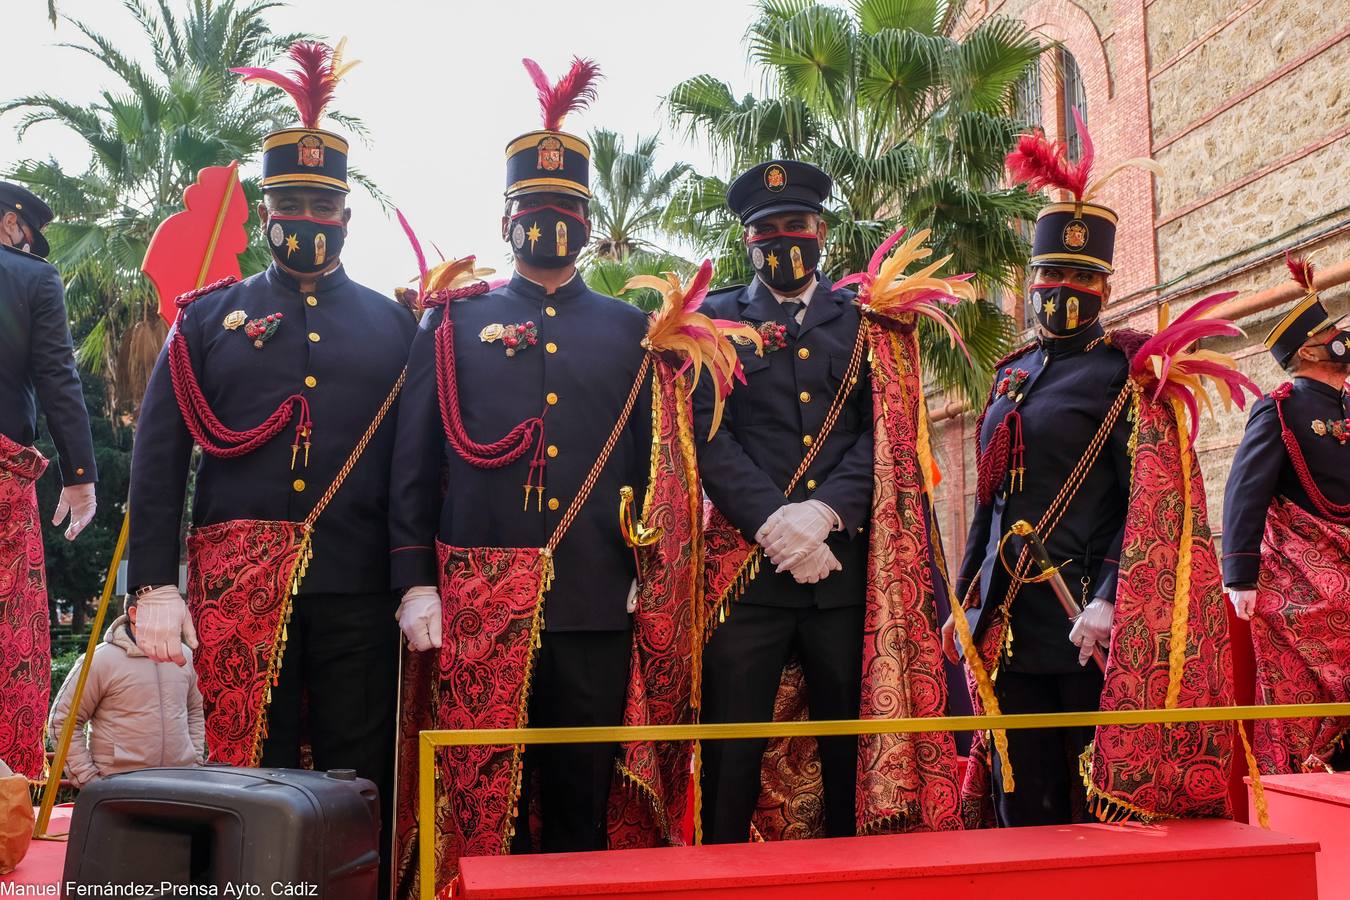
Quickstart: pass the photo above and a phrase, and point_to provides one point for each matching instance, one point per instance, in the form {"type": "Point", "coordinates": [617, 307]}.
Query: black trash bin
{"type": "Point", "coordinates": [247, 832]}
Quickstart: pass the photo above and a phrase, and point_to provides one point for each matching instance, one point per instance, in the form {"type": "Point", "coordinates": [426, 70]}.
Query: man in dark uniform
{"type": "Point", "coordinates": [545, 353]}
{"type": "Point", "coordinates": [812, 603]}
{"type": "Point", "coordinates": [302, 337]}
{"type": "Point", "coordinates": [37, 365]}
{"type": "Point", "coordinates": [1049, 400]}
{"type": "Point", "coordinates": [1286, 535]}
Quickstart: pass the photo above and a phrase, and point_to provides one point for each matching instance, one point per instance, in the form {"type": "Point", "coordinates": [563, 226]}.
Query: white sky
{"type": "Point", "coordinates": [440, 88]}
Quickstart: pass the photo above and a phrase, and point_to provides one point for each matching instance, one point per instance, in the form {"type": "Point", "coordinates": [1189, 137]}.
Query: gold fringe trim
{"type": "Point", "coordinates": [523, 711]}
{"type": "Point", "coordinates": [1258, 789]}
{"type": "Point", "coordinates": [1181, 603]}
{"type": "Point", "coordinates": [889, 824]}
{"type": "Point", "coordinates": [641, 786]}
{"type": "Point", "coordinates": [1108, 809]}
{"type": "Point", "coordinates": [297, 574]}
{"type": "Point", "coordinates": [740, 582]}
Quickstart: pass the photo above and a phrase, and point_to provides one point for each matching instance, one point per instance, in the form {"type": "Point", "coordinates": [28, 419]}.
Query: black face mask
{"type": "Point", "coordinates": [549, 237]}
{"type": "Point", "coordinates": [1337, 348]}
{"type": "Point", "coordinates": [784, 260]}
{"type": "Point", "coordinates": [1064, 309]}
{"type": "Point", "coordinates": [303, 244]}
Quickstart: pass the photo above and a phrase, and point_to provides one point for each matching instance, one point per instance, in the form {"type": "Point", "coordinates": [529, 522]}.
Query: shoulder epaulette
{"type": "Point", "coordinates": [25, 253]}
{"type": "Point", "coordinates": [1014, 354]}
{"type": "Point", "coordinates": [1283, 391]}
{"type": "Point", "coordinates": [184, 300]}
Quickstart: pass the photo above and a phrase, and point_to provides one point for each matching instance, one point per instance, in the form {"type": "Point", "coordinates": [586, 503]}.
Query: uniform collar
{"type": "Point", "coordinates": [1320, 387]}
{"type": "Point", "coordinates": [1055, 347]}
{"type": "Point", "coordinates": [804, 298]}
{"type": "Point", "coordinates": [331, 281]}
{"type": "Point", "coordinates": [575, 287]}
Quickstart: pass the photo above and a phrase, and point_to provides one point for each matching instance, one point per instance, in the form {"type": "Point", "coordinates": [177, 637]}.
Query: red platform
{"type": "Point", "coordinates": [1316, 807]}
{"type": "Point", "coordinates": [1191, 859]}
{"type": "Point", "coordinates": [45, 860]}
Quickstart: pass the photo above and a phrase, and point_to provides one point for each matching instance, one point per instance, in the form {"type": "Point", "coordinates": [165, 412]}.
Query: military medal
{"type": "Point", "coordinates": [1337, 428]}
{"type": "Point", "coordinates": [773, 334]}
{"type": "Point", "coordinates": [260, 330]}
{"type": "Point", "coordinates": [235, 319]}
{"type": "Point", "coordinates": [514, 337]}
{"type": "Point", "coordinates": [1011, 384]}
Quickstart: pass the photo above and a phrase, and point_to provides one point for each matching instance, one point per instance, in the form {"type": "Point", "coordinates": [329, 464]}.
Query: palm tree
{"type": "Point", "coordinates": [912, 124]}
{"type": "Point", "coordinates": [147, 138]}
{"type": "Point", "coordinates": [630, 195]}
{"type": "Point", "coordinates": [608, 276]}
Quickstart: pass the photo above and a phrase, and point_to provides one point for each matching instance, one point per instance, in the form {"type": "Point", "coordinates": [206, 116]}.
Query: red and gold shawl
{"type": "Point", "coordinates": [25, 628]}
{"type": "Point", "coordinates": [1301, 632]}
{"type": "Point", "coordinates": [1169, 639]}
{"type": "Point", "coordinates": [906, 782]}
{"type": "Point", "coordinates": [492, 611]}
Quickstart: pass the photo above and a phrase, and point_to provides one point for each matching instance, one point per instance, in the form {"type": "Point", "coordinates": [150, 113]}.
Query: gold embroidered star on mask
{"type": "Point", "coordinates": [772, 260]}
{"type": "Point", "coordinates": [534, 234]}
{"type": "Point", "coordinates": [292, 245]}
{"type": "Point", "coordinates": [1050, 307]}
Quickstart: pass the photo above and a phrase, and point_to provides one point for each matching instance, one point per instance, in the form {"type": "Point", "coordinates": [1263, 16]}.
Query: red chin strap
{"type": "Point", "coordinates": [771, 235]}
{"type": "Point", "coordinates": [557, 209]}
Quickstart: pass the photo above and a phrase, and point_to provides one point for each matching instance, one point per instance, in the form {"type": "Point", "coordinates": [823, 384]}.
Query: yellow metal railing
{"type": "Point", "coordinates": [430, 740]}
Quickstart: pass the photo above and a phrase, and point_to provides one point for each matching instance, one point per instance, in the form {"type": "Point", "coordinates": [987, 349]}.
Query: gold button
{"type": "Point", "coordinates": [552, 502]}
{"type": "Point", "coordinates": [548, 310]}
{"type": "Point", "coordinates": [806, 439]}
{"type": "Point", "coordinates": [804, 397]}
{"type": "Point", "coordinates": [298, 484]}
{"type": "Point", "coordinates": [310, 381]}
{"type": "Point", "coordinates": [314, 337]}
{"type": "Point", "coordinates": [551, 347]}
{"type": "Point", "coordinates": [80, 470]}
{"type": "Point", "coordinates": [803, 353]}
{"type": "Point", "coordinates": [312, 300]}
{"type": "Point", "coordinates": [810, 484]}
{"type": "Point", "coordinates": [552, 398]}
{"type": "Point", "coordinates": [552, 450]}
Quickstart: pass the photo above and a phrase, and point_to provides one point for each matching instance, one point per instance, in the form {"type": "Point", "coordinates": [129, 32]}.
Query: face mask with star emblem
{"type": "Point", "coordinates": [784, 260]}
{"type": "Point", "coordinates": [549, 237]}
{"type": "Point", "coordinates": [303, 244]}
{"type": "Point", "coordinates": [1064, 309]}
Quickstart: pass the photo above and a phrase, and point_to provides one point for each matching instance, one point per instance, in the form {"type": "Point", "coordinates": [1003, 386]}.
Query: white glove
{"type": "Point", "coordinates": [815, 566]}
{"type": "Point", "coordinates": [164, 625]}
{"type": "Point", "coordinates": [632, 597]}
{"type": "Point", "coordinates": [1243, 600]}
{"type": "Point", "coordinates": [78, 500]}
{"type": "Point", "coordinates": [419, 617]}
{"type": "Point", "coordinates": [1092, 627]}
{"type": "Point", "coordinates": [794, 530]}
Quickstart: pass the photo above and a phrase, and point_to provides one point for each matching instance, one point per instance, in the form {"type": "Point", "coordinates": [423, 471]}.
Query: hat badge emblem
{"type": "Point", "coordinates": [1075, 235]}
{"type": "Point", "coordinates": [550, 154]}
{"type": "Point", "coordinates": [310, 148]}
{"type": "Point", "coordinates": [775, 178]}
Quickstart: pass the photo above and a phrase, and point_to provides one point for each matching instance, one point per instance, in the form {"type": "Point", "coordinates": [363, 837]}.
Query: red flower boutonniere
{"type": "Point", "coordinates": [514, 337]}
{"type": "Point", "coordinates": [1012, 382]}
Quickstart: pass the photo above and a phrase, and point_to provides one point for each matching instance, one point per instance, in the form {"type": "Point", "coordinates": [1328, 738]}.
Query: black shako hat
{"type": "Point", "coordinates": [30, 209]}
{"type": "Point", "coordinates": [549, 160]}
{"type": "Point", "coordinates": [1305, 321]}
{"type": "Point", "coordinates": [1074, 234]}
{"type": "Point", "coordinates": [778, 186]}
{"type": "Point", "coordinates": [307, 156]}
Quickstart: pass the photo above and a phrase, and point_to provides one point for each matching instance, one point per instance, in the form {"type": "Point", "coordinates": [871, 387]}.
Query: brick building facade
{"type": "Point", "coordinates": [1246, 105]}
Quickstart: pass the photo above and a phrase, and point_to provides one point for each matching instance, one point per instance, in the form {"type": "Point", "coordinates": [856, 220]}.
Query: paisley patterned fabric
{"type": "Point", "coordinates": [240, 577]}
{"type": "Point", "coordinates": [1148, 772]}
{"type": "Point", "coordinates": [25, 627]}
{"type": "Point", "coordinates": [651, 794]}
{"type": "Point", "coordinates": [906, 782]}
{"type": "Point", "coordinates": [1164, 771]}
{"type": "Point", "coordinates": [1301, 630]}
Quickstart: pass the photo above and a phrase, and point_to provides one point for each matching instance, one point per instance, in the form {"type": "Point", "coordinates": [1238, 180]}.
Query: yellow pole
{"type": "Point", "coordinates": [426, 815]}
{"type": "Point", "coordinates": [68, 729]}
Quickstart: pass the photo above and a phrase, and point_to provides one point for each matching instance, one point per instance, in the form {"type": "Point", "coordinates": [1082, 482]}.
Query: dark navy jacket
{"type": "Point", "coordinates": [1262, 471]}
{"type": "Point", "coordinates": [1064, 401]}
{"type": "Point", "coordinates": [748, 464]}
{"type": "Point", "coordinates": [343, 347]}
{"type": "Point", "coordinates": [37, 364]}
{"type": "Point", "coordinates": [581, 371]}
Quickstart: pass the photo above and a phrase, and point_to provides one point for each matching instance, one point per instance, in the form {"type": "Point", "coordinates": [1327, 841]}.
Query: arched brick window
{"type": "Point", "coordinates": [1027, 98]}
{"type": "Point", "coordinates": [1072, 93]}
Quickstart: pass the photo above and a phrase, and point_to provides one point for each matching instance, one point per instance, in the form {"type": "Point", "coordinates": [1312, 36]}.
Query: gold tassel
{"type": "Point", "coordinates": [1181, 600]}
{"type": "Point", "coordinates": [1258, 789]}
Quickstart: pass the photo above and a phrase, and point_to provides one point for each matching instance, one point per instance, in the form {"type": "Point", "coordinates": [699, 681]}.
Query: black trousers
{"type": "Point", "coordinates": [580, 678]}
{"type": "Point", "coordinates": [341, 666]}
{"type": "Point", "coordinates": [742, 667]}
{"type": "Point", "coordinates": [1049, 790]}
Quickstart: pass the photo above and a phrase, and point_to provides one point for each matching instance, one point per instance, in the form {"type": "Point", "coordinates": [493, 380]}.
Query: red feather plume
{"type": "Point", "coordinates": [574, 91]}
{"type": "Point", "coordinates": [1302, 269]}
{"type": "Point", "coordinates": [1039, 162]}
{"type": "Point", "coordinates": [310, 84]}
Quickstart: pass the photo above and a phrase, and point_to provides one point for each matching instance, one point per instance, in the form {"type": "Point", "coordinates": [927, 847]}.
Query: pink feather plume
{"type": "Point", "coordinates": [574, 91]}
{"type": "Point", "coordinates": [1039, 162]}
{"type": "Point", "coordinates": [310, 84]}
{"type": "Point", "coordinates": [1302, 269]}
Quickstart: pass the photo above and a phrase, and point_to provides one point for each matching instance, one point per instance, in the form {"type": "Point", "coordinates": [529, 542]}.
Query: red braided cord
{"type": "Point", "coordinates": [212, 435]}
{"type": "Point", "coordinates": [501, 452]}
{"type": "Point", "coordinates": [1336, 512]}
{"type": "Point", "coordinates": [992, 466]}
